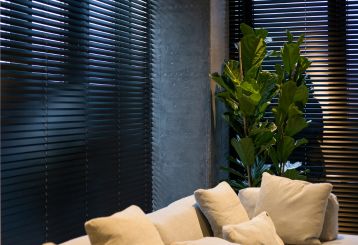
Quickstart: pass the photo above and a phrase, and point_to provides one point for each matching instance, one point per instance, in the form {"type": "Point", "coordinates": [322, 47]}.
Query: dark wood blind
{"type": "Point", "coordinates": [75, 114]}
{"type": "Point", "coordinates": [331, 43]}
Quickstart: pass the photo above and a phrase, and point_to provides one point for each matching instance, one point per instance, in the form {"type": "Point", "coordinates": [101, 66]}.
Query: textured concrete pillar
{"type": "Point", "coordinates": [219, 51]}
{"type": "Point", "coordinates": [183, 120]}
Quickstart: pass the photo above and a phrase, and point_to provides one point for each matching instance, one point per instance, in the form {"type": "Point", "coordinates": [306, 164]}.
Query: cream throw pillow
{"type": "Point", "coordinates": [181, 220]}
{"type": "Point", "coordinates": [296, 207]}
{"type": "Point", "coordinates": [221, 206]}
{"type": "Point", "coordinates": [259, 230]}
{"type": "Point", "coordinates": [205, 241]}
{"type": "Point", "coordinates": [249, 197]}
{"type": "Point", "coordinates": [330, 225]}
{"type": "Point", "coordinates": [130, 226]}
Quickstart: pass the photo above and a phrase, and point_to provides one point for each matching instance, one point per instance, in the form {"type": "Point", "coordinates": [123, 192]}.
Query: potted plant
{"type": "Point", "coordinates": [288, 113]}
{"type": "Point", "coordinates": [247, 91]}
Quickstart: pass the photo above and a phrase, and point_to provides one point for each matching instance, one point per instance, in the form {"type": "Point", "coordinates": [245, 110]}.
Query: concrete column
{"type": "Point", "coordinates": [183, 120]}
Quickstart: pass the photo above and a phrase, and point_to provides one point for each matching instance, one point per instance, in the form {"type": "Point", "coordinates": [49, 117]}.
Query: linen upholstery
{"type": "Point", "coordinates": [259, 230]}
{"type": "Point", "coordinates": [221, 206]}
{"type": "Point", "coordinates": [205, 241]}
{"type": "Point", "coordinates": [130, 226]}
{"type": "Point", "coordinates": [297, 208]}
{"type": "Point", "coordinates": [330, 225]}
{"type": "Point", "coordinates": [181, 221]}
{"type": "Point", "coordinates": [249, 197]}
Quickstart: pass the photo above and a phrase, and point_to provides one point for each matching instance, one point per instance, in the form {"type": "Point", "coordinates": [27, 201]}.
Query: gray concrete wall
{"type": "Point", "coordinates": [219, 51]}
{"type": "Point", "coordinates": [183, 120]}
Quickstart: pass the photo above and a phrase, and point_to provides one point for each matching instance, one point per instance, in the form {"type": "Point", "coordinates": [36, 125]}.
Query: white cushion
{"type": "Point", "coordinates": [259, 230]}
{"type": "Point", "coordinates": [330, 225]}
{"type": "Point", "coordinates": [249, 197]}
{"type": "Point", "coordinates": [130, 226]}
{"type": "Point", "coordinates": [296, 207]}
{"type": "Point", "coordinates": [205, 241]}
{"type": "Point", "coordinates": [82, 240]}
{"type": "Point", "coordinates": [343, 240]}
{"type": "Point", "coordinates": [180, 221]}
{"type": "Point", "coordinates": [221, 206]}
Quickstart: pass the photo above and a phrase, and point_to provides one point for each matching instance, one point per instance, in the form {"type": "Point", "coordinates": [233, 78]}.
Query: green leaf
{"type": "Point", "coordinates": [295, 125]}
{"type": "Point", "coordinates": [274, 156]}
{"type": "Point", "coordinates": [289, 36]}
{"type": "Point", "coordinates": [301, 95]}
{"type": "Point", "coordinates": [280, 73]}
{"type": "Point", "coordinates": [262, 33]}
{"type": "Point", "coordinates": [300, 142]}
{"type": "Point", "coordinates": [285, 148]}
{"type": "Point", "coordinates": [290, 54]}
{"type": "Point", "coordinates": [222, 83]}
{"type": "Point", "coordinates": [246, 29]}
{"type": "Point", "coordinates": [300, 39]}
{"type": "Point", "coordinates": [232, 71]}
{"type": "Point", "coordinates": [244, 147]}
{"type": "Point", "coordinates": [228, 100]}
{"type": "Point", "coordinates": [294, 174]}
{"type": "Point", "coordinates": [253, 51]}
{"type": "Point", "coordinates": [233, 171]}
{"type": "Point", "coordinates": [247, 104]}
{"type": "Point", "coordinates": [288, 92]}
{"type": "Point", "coordinates": [249, 87]}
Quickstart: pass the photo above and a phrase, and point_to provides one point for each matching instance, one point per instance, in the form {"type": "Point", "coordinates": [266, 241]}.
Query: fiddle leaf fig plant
{"type": "Point", "coordinates": [247, 91]}
{"type": "Point", "coordinates": [289, 117]}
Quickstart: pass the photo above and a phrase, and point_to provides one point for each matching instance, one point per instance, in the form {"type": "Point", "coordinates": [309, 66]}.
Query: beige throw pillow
{"type": "Point", "coordinates": [330, 225]}
{"type": "Point", "coordinates": [181, 220]}
{"type": "Point", "coordinates": [296, 207]}
{"type": "Point", "coordinates": [130, 226]}
{"type": "Point", "coordinates": [249, 197]}
{"type": "Point", "coordinates": [221, 206]}
{"type": "Point", "coordinates": [205, 241]}
{"type": "Point", "coordinates": [259, 230]}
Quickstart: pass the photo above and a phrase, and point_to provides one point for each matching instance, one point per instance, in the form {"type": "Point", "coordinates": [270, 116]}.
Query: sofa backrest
{"type": "Point", "coordinates": [181, 220]}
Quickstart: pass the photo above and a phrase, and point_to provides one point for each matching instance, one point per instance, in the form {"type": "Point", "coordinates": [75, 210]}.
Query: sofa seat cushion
{"type": "Point", "coordinates": [180, 221]}
{"type": "Point", "coordinates": [82, 240]}
{"type": "Point", "coordinates": [343, 239]}
{"type": "Point", "coordinates": [205, 241]}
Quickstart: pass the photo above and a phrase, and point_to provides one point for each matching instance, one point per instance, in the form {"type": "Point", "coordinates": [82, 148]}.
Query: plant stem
{"type": "Point", "coordinates": [249, 180]}
{"type": "Point", "coordinates": [241, 69]}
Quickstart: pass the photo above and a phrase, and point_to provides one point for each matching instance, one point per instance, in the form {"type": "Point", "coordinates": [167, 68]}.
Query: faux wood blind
{"type": "Point", "coordinates": [331, 43]}
{"type": "Point", "coordinates": [75, 114]}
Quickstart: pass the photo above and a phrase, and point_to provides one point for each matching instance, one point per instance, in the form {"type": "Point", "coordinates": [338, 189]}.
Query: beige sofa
{"type": "Point", "coordinates": [182, 220]}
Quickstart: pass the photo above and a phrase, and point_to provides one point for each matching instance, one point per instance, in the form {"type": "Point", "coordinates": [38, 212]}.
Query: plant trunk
{"type": "Point", "coordinates": [249, 179]}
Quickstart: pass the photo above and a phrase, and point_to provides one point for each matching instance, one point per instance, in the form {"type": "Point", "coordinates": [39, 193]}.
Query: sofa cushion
{"type": "Point", "coordinates": [259, 230]}
{"type": "Point", "coordinates": [330, 225]}
{"type": "Point", "coordinates": [296, 207]}
{"type": "Point", "coordinates": [343, 240]}
{"type": "Point", "coordinates": [130, 226]}
{"type": "Point", "coordinates": [249, 197]}
{"type": "Point", "coordinates": [180, 221]}
{"type": "Point", "coordinates": [221, 206]}
{"type": "Point", "coordinates": [205, 241]}
{"type": "Point", "coordinates": [82, 240]}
